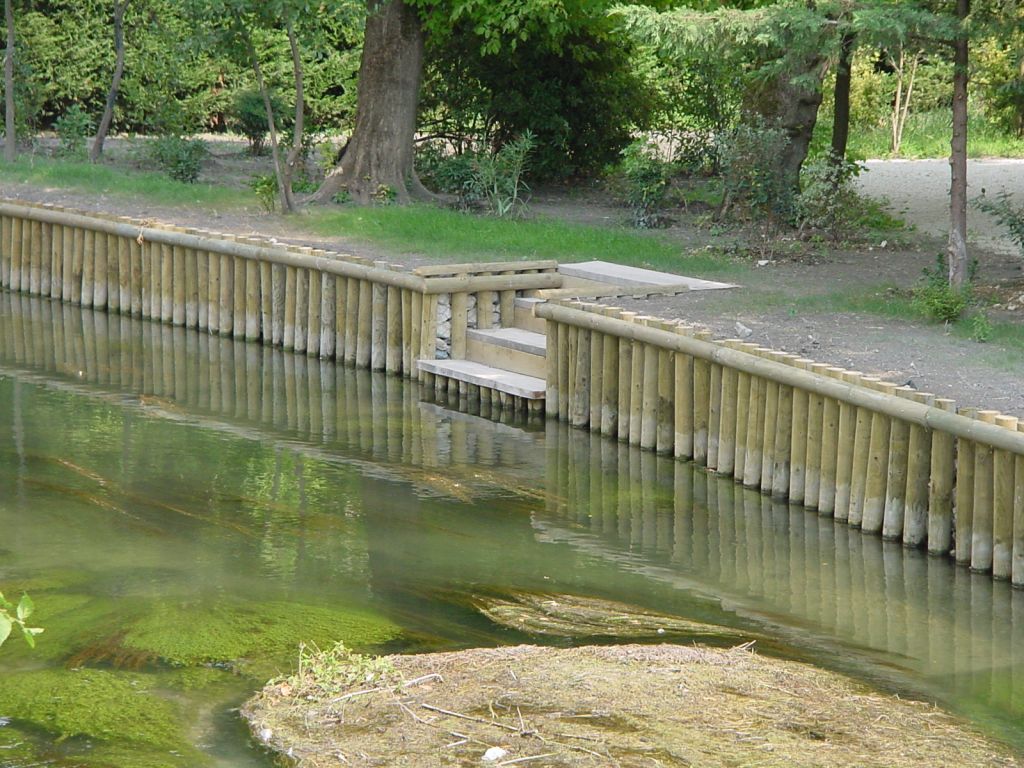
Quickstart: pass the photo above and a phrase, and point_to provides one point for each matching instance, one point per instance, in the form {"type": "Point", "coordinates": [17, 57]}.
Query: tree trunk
{"type": "Point", "coordinates": [300, 117]}
{"type": "Point", "coordinates": [841, 112]}
{"type": "Point", "coordinates": [796, 110]}
{"type": "Point", "coordinates": [10, 129]}
{"type": "Point", "coordinates": [115, 83]}
{"type": "Point", "coordinates": [284, 189]}
{"type": "Point", "coordinates": [379, 160]}
{"type": "Point", "coordinates": [957, 249]}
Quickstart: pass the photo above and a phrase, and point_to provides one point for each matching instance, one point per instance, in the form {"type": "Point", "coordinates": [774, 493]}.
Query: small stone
{"type": "Point", "coordinates": [883, 244]}
{"type": "Point", "coordinates": [494, 753]}
{"type": "Point", "coordinates": [743, 331]}
{"type": "Point", "coordinates": [265, 735]}
{"type": "Point", "coordinates": [1012, 307]}
{"type": "Point", "coordinates": [763, 262]}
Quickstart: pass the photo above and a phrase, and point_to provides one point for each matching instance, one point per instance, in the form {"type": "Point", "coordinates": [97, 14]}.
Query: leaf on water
{"type": "Point", "coordinates": [25, 607]}
{"type": "Point", "coordinates": [6, 625]}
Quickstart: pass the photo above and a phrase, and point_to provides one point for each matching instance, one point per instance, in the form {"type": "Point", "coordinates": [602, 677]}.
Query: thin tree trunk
{"type": "Point", "coordinates": [10, 129]}
{"type": "Point", "coordinates": [379, 160]}
{"type": "Point", "coordinates": [957, 249]}
{"type": "Point", "coordinates": [841, 111]}
{"type": "Point", "coordinates": [283, 189]}
{"type": "Point", "coordinates": [115, 83]}
{"type": "Point", "coordinates": [300, 117]}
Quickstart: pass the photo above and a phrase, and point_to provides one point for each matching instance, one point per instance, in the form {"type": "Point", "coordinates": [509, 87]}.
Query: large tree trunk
{"type": "Point", "coordinates": [796, 110]}
{"type": "Point", "coordinates": [957, 249]}
{"type": "Point", "coordinates": [115, 83]}
{"type": "Point", "coordinates": [841, 111]}
{"type": "Point", "coordinates": [10, 135]}
{"type": "Point", "coordinates": [378, 161]}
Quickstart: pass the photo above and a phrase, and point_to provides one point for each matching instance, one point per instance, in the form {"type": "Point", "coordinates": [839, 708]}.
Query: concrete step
{"type": "Point", "coordinates": [486, 376]}
{"type": "Point", "coordinates": [511, 349]}
{"type": "Point", "coordinates": [524, 317]}
{"type": "Point", "coordinates": [617, 274]}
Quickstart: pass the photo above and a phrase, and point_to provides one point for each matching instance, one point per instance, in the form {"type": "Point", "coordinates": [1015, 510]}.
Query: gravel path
{"type": "Point", "coordinates": [918, 192]}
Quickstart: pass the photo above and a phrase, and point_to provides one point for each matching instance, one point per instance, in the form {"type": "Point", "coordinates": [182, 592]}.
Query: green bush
{"type": "Point", "coordinates": [265, 187]}
{"type": "Point", "coordinates": [828, 201]}
{"type": "Point", "coordinates": [450, 173]}
{"type": "Point", "coordinates": [498, 176]}
{"type": "Point", "coordinates": [248, 116]}
{"type": "Point", "coordinates": [936, 299]}
{"type": "Point", "coordinates": [645, 176]}
{"type": "Point", "coordinates": [73, 128]}
{"type": "Point", "coordinates": [180, 158]}
{"type": "Point", "coordinates": [749, 171]}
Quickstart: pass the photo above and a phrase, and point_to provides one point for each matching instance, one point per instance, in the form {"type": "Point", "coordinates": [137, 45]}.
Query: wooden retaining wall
{"type": "Point", "coordinates": [890, 460]}
{"type": "Point", "coordinates": [323, 304]}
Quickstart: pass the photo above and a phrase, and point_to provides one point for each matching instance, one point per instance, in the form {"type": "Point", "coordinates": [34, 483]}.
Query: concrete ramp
{"type": "Point", "coordinates": [604, 272]}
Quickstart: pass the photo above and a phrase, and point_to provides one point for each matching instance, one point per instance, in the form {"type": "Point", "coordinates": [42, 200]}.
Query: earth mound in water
{"type": "Point", "coordinates": [626, 705]}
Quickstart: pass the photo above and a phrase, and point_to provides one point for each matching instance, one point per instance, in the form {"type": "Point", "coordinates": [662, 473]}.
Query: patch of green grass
{"type": "Point", "coordinates": [150, 186]}
{"type": "Point", "coordinates": [927, 135]}
{"type": "Point", "coordinates": [452, 236]}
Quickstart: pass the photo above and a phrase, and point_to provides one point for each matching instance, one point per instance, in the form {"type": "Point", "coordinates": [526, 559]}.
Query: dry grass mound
{"type": "Point", "coordinates": [629, 705]}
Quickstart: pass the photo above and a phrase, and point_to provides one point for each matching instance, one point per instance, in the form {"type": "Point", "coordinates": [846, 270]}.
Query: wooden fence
{"type": "Point", "coordinates": [890, 460]}
{"type": "Point", "coordinates": [335, 306]}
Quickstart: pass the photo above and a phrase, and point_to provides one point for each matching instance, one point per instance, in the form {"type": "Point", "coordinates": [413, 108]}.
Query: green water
{"type": "Point", "coordinates": [186, 510]}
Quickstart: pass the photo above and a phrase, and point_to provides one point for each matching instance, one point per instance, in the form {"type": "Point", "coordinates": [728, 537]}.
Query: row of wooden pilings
{"type": "Point", "coordinates": [330, 305]}
{"type": "Point", "coordinates": [890, 460]}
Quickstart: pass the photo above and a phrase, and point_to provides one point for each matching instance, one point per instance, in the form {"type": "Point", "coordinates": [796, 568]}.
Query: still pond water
{"type": "Point", "coordinates": [187, 510]}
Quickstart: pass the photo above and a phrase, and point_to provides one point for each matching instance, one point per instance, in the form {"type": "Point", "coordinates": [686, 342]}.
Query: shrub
{"type": "Point", "coordinates": [498, 176]}
{"type": "Point", "coordinates": [936, 299]}
{"type": "Point", "coordinates": [73, 128]}
{"type": "Point", "coordinates": [749, 176]}
{"type": "Point", "coordinates": [828, 201]}
{"type": "Point", "coordinates": [248, 116]}
{"type": "Point", "coordinates": [265, 187]}
{"type": "Point", "coordinates": [645, 176]}
{"type": "Point", "coordinates": [449, 172]}
{"type": "Point", "coordinates": [180, 158]}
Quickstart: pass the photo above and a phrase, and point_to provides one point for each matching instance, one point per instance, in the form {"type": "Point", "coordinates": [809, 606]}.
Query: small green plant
{"type": "Point", "coordinates": [936, 299]}
{"type": "Point", "coordinates": [499, 176]}
{"type": "Point", "coordinates": [384, 194]}
{"type": "Point", "coordinates": [646, 176]}
{"type": "Point", "coordinates": [73, 128]}
{"type": "Point", "coordinates": [12, 616]}
{"type": "Point", "coordinates": [1006, 213]}
{"type": "Point", "coordinates": [450, 173]}
{"type": "Point", "coordinates": [981, 327]}
{"type": "Point", "coordinates": [330, 671]}
{"type": "Point", "coordinates": [180, 158]}
{"type": "Point", "coordinates": [265, 187]}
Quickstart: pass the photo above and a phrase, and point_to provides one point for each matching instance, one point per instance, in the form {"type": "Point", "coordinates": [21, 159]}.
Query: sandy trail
{"type": "Point", "coordinates": [918, 192]}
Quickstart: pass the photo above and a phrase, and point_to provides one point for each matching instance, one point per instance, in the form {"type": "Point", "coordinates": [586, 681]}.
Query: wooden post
{"type": "Point", "coordinates": [596, 378]}
{"type": "Point", "coordinates": [714, 414]}
{"type": "Point", "coordinates": [46, 259]}
{"type": "Point", "coordinates": [460, 322]}
{"type": "Point", "coordinates": [896, 480]}
{"type": "Point", "coordinates": [579, 402]}
{"type": "Point", "coordinates": [940, 490]}
{"type": "Point", "coordinates": [1017, 568]}
{"type": "Point", "coordinates": [800, 421]}
{"type": "Point", "coordinates": [352, 320]}
{"type": "Point", "coordinates": [829, 450]}
{"type": "Point", "coordinates": [253, 305]}
{"type": "Point", "coordinates": [328, 318]}
{"type": "Point", "coordinates": [861, 457]}
{"type": "Point", "coordinates": [341, 317]}
{"type": "Point", "coordinates": [57, 279]}
{"type": "Point", "coordinates": [771, 423]}
{"type": "Point", "coordinates": [636, 390]}
{"type": "Point", "coordinates": [179, 291]}
{"type": "Point", "coordinates": [70, 249]}
{"type": "Point", "coordinates": [226, 303]}
{"type": "Point", "coordinates": [314, 306]}
{"type": "Point", "coordinates": [88, 265]}
{"type": "Point", "coordinates": [565, 367]}
{"type": "Point", "coordinates": [408, 339]}
{"type": "Point", "coordinates": [267, 302]}
{"type": "Point", "coordinates": [610, 385]}
{"type": "Point", "coordinates": [166, 283]}
{"type": "Point", "coordinates": [625, 383]}
{"type": "Point", "coordinates": [393, 357]}
{"type": "Point", "coordinates": [124, 274]}
{"type": "Point", "coordinates": [915, 515]}
{"type": "Point", "coordinates": [300, 311]}
{"type": "Point", "coordinates": [551, 363]}
{"type": "Point", "coordinates": [844, 451]}
{"type": "Point", "coordinates": [984, 488]}
{"type": "Point", "coordinates": [213, 296]}
{"type": "Point", "coordinates": [964, 519]}
{"type": "Point", "coordinates": [191, 288]}
{"type": "Point", "coordinates": [752, 463]}
{"type": "Point", "coordinates": [815, 432]}
{"type": "Point", "coordinates": [726, 464]}
{"type": "Point", "coordinates": [378, 324]}
{"type": "Point", "coordinates": [6, 223]}
{"type": "Point", "coordinates": [701, 404]}
{"type": "Point", "coordinates": [364, 323]}
{"type": "Point", "coordinates": [649, 402]}
{"type": "Point", "coordinates": [1002, 508]}
{"type": "Point", "coordinates": [739, 461]}
{"type": "Point", "coordinates": [878, 467]}
{"type": "Point", "coordinates": [783, 448]}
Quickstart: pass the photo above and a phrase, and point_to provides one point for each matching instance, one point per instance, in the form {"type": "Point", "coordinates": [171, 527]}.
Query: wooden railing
{"type": "Point", "coordinates": [324, 304]}
{"type": "Point", "coordinates": [887, 459]}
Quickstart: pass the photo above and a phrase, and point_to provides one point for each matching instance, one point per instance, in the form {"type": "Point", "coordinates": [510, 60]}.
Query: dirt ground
{"type": "Point", "coordinates": [626, 705]}
{"type": "Point", "coordinates": [783, 304]}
